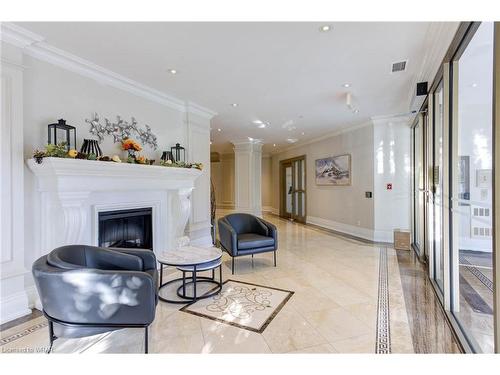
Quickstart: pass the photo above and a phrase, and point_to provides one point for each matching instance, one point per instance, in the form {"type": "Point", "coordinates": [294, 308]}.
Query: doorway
{"type": "Point", "coordinates": [293, 189]}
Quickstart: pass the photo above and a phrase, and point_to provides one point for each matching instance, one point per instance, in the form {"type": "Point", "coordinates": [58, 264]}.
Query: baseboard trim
{"type": "Point", "coordinates": [14, 306]}
{"type": "Point", "coordinates": [350, 231]}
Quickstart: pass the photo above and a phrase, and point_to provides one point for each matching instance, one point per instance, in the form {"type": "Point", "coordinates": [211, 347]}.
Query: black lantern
{"type": "Point", "coordinates": [178, 152]}
{"type": "Point", "coordinates": [62, 132]}
{"type": "Point", "coordinates": [167, 155]}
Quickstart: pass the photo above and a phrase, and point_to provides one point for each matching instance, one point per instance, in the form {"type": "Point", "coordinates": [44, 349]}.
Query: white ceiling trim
{"type": "Point", "coordinates": [346, 129]}
{"type": "Point", "coordinates": [34, 45]}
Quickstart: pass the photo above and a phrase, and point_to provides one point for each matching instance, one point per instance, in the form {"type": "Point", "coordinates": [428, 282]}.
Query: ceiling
{"type": "Point", "coordinates": [280, 73]}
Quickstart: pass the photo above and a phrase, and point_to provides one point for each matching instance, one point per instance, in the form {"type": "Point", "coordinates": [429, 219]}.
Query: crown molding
{"type": "Point", "coordinates": [437, 40]}
{"type": "Point", "coordinates": [403, 117]}
{"type": "Point", "coordinates": [18, 36]}
{"type": "Point", "coordinates": [35, 46]}
{"type": "Point", "coordinates": [335, 133]}
{"type": "Point", "coordinates": [199, 110]}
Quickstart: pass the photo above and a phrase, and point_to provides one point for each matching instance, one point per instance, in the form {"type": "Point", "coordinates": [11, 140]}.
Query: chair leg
{"type": "Point", "coordinates": [146, 340]}
{"type": "Point", "coordinates": [232, 265]}
{"type": "Point", "coordinates": [194, 284]}
{"type": "Point", "coordinates": [274, 258]}
{"type": "Point", "coordinates": [184, 284]}
{"type": "Point", "coordinates": [220, 275]}
{"type": "Point", "coordinates": [51, 336]}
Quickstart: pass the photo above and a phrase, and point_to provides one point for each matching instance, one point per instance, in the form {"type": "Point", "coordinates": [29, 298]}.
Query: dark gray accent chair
{"type": "Point", "coordinates": [87, 290]}
{"type": "Point", "coordinates": [244, 234]}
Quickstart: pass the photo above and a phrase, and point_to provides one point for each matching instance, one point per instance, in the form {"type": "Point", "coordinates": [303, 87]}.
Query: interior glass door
{"type": "Point", "coordinates": [436, 194]}
{"type": "Point", "coordinates": [293, 189]}
{"type": "Point", "coordinates": [418, 185]}
{"type": "Point", "coordinates": [288, 190]}
{"type": "Point", "coordinates": [299, 191]}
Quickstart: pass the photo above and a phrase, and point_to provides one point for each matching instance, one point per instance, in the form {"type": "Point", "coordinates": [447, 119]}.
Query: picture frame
{"type": "Point", "coordinates": [334, 171]}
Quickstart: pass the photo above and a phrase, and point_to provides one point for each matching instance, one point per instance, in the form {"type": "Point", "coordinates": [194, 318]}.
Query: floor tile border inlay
{"type": "Point", "coordinates": [266, 323]}
{"type": "Point", "coordinates": [23, 333]}
{"type": "Point", "coordinates": [383, 339]}
{"type": "Point", "coordinates": [476, 272]}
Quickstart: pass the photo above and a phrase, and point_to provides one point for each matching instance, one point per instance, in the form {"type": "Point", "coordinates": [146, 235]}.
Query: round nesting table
{"type": "Point", "coordinates": [191, 259]}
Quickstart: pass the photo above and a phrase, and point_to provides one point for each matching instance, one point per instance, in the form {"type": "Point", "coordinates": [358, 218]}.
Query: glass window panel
{"type": "Point", "coordinates": [473, 183]}
{"type": "Point", "coordinates": [437, 182]}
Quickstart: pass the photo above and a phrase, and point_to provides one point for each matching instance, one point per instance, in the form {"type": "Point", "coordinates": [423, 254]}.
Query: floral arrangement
{"type": "Point", "coordinates": [60, 151]}
{"type": "Point", "coordinates": [181, 164]}
{"type": "Point", "coordinates": [129, 144]}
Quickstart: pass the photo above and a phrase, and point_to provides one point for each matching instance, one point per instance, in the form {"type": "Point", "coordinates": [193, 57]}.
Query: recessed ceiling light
{"type": "Point", "coordinates": [234, 104]}
{"type": "Point", "coordinates": [262, 126]}
{"type": "Point", "coordinates": [346, 85]}
{"type": "Point", "coordinates": [474, 85]}
{"type": "Point", "coordinates": [274, 144]}
{"type": "Point", "coordinates": [172, 71]}
{"type": "Point", "coordinates": [325, 28]}
{"type": "Point", "coordinates": [257, 122]}
{"type": "Point", "coordinates": [250, 139]}
{"type": "Point", "coordinates": [356, 111]}
{"type": "Point", "coordinates": [219, 129]}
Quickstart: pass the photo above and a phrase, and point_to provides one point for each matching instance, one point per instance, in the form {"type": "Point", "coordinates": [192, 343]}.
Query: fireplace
{"type": "Point", "coordinates": [130, 228]}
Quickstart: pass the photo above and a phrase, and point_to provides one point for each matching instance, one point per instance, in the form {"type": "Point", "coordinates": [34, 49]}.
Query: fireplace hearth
{"type": "Point", "coordinates": [130, 228]}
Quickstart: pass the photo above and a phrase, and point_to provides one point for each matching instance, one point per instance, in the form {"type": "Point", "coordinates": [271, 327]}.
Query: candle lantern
{"type": "Point", "coordinates": [62, 132]}
{"type": "Point", "coordinates": [178, 152]}
{"type": "Point", "coordinates": [167, 155]}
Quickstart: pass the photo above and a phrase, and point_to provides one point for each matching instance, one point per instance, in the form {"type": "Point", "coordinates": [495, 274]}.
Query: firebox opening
{"type": "Point", "coordinates": [126, 228]}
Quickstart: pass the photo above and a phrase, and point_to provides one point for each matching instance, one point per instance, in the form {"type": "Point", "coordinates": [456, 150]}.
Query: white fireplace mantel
{"type": "Point", "coordinates": [73, 191]}
{"type": "Point", "coordinates": [58, 174]}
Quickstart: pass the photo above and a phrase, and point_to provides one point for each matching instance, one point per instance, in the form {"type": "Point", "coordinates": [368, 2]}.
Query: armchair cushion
{"type": "Point", "coordinates": [253, 241]}
{"type": "Point", "coordinates": [81, 256]}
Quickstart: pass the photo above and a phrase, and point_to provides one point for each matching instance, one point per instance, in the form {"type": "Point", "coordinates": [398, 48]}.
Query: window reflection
{"type": "Point", "coordinates": [473, 304]}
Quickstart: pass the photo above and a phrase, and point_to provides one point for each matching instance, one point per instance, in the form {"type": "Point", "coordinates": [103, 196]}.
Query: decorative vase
{"type": "Point", "coordinates": [131, 155]}
{"type": "Point", "coordinates": [91, 146]}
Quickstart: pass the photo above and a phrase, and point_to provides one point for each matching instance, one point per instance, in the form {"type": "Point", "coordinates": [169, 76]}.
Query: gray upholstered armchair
{"type": "Point", "coordinates": [87, 290]}
{"type": "Point", "coordinates": [244, 234]}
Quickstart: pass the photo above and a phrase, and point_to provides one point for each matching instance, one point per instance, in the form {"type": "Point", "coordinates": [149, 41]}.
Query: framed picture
{"type": "Point", "coordinates": [334, 171]}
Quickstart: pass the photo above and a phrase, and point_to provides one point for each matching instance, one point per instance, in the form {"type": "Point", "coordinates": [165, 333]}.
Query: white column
{"type": "Point", "coordinates": [247, 176]}
{"type": "Point", "coordinates": [198, 150]}
{"type": "Point", "coordinates": [14, 301]}
{"type": "Point", "coordinates": [392, 207]}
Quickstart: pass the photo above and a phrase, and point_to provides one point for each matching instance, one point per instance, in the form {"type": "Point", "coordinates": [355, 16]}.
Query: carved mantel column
{"type": "Point", "coordinates": [75, 215]}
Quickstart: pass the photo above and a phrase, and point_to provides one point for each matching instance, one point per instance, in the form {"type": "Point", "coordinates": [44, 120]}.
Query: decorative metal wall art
{"type": "Point", "coordinates": [121, 130]}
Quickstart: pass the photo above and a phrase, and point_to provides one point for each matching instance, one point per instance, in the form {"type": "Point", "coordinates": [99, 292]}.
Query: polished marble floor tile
{"type": "Point", "coordinates": [334, 307]}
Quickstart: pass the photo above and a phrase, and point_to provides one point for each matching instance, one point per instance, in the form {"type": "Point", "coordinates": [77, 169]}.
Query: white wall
{"type": "Point", "coordinates": [391, 140]}
{"type": "Point", "coordinates": [222, 172]}
{"type": "Point", "coordinates": [47, 92]}
{"type": "Point", "coordinates": [342, 208]}
{"type": "Point", "coordinates": [380, 154]}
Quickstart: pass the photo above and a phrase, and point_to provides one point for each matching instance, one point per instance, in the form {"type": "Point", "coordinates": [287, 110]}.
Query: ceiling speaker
{"type": "Point", "coordinates": [421, 88]}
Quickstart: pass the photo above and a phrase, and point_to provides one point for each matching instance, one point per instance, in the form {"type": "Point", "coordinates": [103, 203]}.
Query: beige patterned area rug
{"type": "Point", "coordinates": [243, 305]}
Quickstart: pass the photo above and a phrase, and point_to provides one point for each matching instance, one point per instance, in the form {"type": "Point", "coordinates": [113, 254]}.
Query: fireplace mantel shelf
{"type": "Point", "coordinates": [70, 175]}
{"type": "Point", "coordinates": [80, 188]}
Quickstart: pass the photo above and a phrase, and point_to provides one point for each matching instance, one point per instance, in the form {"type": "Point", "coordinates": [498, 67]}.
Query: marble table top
{"type": "Point", "coordinates": [189, 256]}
